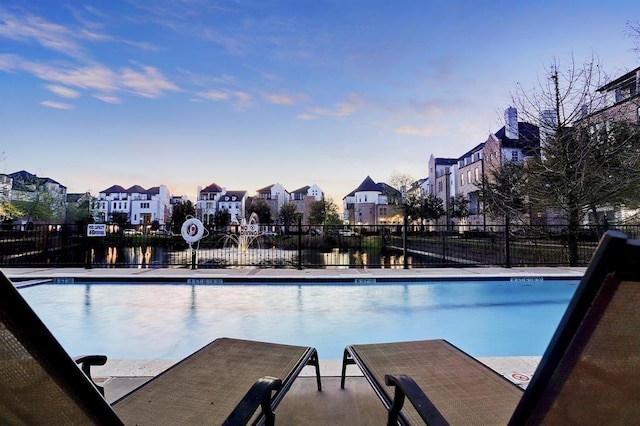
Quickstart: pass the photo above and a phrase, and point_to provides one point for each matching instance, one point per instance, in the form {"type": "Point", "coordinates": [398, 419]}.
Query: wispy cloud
{"type": "Point", "coordinates": [110, 99]}
{"type": "Point", "coordinates": [146, 82]}
{"type": "Point", "coordinates": [341, 110]}
{"type": "Point", "coordinates": [47, 34]}
{"type": "Point", "coordinates": [56, 105]}
{"type": "Point", "coordinates": [413, 130]}
{"type": "Point", "coordinates": [284, 98]}
{"type": "Point", "coordinates": [238, 99]}
{"type": "Point", "coordinates": [63, 92]}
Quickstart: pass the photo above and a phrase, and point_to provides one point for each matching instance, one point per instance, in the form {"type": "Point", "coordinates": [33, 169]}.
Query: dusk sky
{"type": "Point", "coordinates": [246, 94]}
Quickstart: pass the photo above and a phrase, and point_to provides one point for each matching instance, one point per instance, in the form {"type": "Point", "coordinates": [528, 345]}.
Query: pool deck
{"type": "Point", "coordinates": [357, 404]}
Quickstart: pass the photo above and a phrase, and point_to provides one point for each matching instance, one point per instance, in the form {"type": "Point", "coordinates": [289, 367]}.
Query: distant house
{"type": "Point", "coordinates": [469, 177]}
{"type": "Point", "coordinates": [27, 187]}
{"type": "Point", "coordinates": [275, 196]}
{"type": "Point", "coordinates": [214, 198]}
{"type": "Point", "coordinates": [442, 181]}
{"type": "Point", "coordinates": [142, 206]}
{"type": "Point", "coordinates": [302, 198]}
{"type": "Point", "coordinates": [235, 202]}
{"type": "Point", "coordinates": [371, 203]}
{"type": "Point", "coordinates": [207, 203]}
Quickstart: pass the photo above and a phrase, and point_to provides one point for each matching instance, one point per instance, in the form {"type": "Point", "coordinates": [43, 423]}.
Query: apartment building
{"type": "Point", "coordinates": [141, 206]}
{"type": "Point", "coordinates": [28, 187]}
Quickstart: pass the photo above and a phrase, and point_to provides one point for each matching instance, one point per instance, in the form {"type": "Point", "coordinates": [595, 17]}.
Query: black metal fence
{"type": "Point", "coordinates": [389, 246]}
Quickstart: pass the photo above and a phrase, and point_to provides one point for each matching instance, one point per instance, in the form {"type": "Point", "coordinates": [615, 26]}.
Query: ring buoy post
{"type": "Point", "coordinates": [192, 231]}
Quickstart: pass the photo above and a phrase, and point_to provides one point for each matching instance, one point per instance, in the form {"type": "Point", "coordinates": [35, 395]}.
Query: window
{"type": "Point", "coordinates": [468, 176]}
{"type": "Point", "coordinates": [514, 156]}
{"type": "Point", "coordinates": [476, 173]}
{"type": "Point", "coordinates": [461, 179]}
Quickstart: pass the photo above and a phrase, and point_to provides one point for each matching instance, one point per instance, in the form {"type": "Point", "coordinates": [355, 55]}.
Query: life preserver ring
{"type": "Point", "coordinates": [192, 230]}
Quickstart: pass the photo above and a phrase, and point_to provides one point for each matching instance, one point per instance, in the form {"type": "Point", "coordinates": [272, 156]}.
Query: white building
{"type": "Point", "coordinates": [142, 206]}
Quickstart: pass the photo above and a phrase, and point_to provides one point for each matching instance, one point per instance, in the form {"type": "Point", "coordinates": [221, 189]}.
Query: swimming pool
{"type": "Point", "coordinates": [171, 320]}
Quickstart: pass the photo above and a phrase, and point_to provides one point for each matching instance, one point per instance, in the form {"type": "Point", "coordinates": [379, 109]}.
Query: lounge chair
{"type": "Point", "coordinates": [589, 374]}
{"type": "Point", "coordinates": [229, 381]}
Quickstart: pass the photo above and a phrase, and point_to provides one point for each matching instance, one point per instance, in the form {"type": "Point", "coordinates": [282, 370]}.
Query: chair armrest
{"type": "Point", "coordinates": [406, 386]}
{"type": "Point", "coordinates": [259, 394]}
{"type": "Point", "coordinates": [86, 361]}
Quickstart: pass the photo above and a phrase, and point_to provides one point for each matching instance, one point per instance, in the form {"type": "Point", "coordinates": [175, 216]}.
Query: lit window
{"type": "Point", "coordinates": [461, 179]}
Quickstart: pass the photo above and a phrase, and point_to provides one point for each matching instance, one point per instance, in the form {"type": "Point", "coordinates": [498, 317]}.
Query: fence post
{"type": "Point", "coordinates": [404, 240]}
{"type": "Point", "coordinates": [507, 245]}
{"type": "Point", "coordinates": [300, 242]}
{"type": "Point", "coordinates": [193, 257]}
{"type": "Point", "coordinates": [88, 245]}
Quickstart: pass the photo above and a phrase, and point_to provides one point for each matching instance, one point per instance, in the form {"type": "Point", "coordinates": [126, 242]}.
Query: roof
{"type": "Point", "coordinates": [75, 197]}
{"type": "Point", "coordinates": [368, 185]}
{"type": "Point", "coordinates": [472, 151]}
{"type": "Point", "coordinates": [617, 81]}
{"type": "Point", "coordinates": [238, 194]}
{"type": "Point", "coordinates": [302, 190]}
{"type": "Point", "coordinates": [24, 176]}
{"type": "Point", "coordinates": [155, 190]}
{"type": "Point", "coordinates": [136, 189]}
{"type": "Point", "coordinates": [266, 188]}
{"type": "Point", "coordinates": [440, 161]}
{"type": "Point", "coordinates": [528, 141]}
{"type": "Point", "coordinates": [214, 187]}
{"type": "Point", "coordinates": [114, 189]}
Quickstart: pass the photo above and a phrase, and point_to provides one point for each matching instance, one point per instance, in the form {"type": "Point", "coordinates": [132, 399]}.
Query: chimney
{"type": "Point", "coordinates": [511, 123]}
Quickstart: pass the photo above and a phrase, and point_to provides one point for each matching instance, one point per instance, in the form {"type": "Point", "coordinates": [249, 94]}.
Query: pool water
{"type": "Point", "coordinates": [154, 321]}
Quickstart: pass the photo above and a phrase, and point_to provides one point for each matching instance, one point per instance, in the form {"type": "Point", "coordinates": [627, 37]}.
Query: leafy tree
{"type": "Point", "coordinates": [179, 214]}
{"type": "Point", "coordinates": [262, 209]}
{"type": "Point", "coordinates": [331, 215]}
{"type": "Point", "coordinates": [288, 215]}
{"type": "Point", "coordinates": [585, 164]}
{"type": "Point", "coordinates": [120, 218]}
{"type": "Point", "coordinates": [458, 207]}
{"type": "Point", "coordinates": [79, 213]}
{"type": "Point", "coordinates": [222, 218]}
{"type": "Point", "coordinates": [429, 207]}
{"type": "Point", "coordinates": [503, 191]}
{"type": "Point", "coordinates": [9, 210]}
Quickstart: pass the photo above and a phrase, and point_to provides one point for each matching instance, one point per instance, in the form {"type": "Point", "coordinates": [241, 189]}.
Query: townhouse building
{"type": "Point", "coordinates": [621, 99]}
{"type": "Point", "coordinates": [442, 182]}
{"type": "Point", "coordinates": [207, 203]}
{"type": "Point", "coordinates": [302, 199]}
{"type": "Point", "coordinates": [449, 177]}
{"type": "Point", "coordinates": [275, 196]}
{"type": "Point", "coordinates": [469, 174]}
{"type": "Point", "coordinates": [141, 206]}
{"type": "Point", "coordinates": [214, 198]}
{"type": "Point", "coordinates": [620, 103]}
{"type": "Point", "coordinates": [372, 203]}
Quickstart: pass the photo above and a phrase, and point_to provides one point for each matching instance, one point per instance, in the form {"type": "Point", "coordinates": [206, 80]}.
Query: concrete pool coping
{"type": "Point", "coordinates": [357, 403]}
{"type": "Point", "coordinates": [253, 274]}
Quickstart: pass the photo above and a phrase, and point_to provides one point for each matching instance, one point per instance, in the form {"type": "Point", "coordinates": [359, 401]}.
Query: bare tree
{"type": "Point", "coordinates": [585, 164]}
